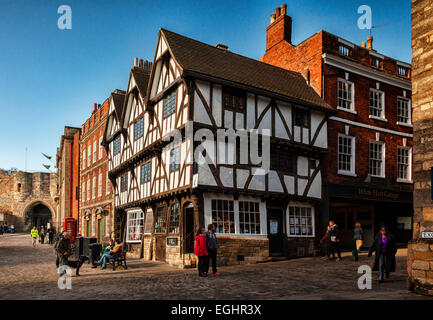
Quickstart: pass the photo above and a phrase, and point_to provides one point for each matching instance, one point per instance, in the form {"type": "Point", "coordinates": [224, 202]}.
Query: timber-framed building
{"type": "Point", "coordinates": [163, 194]}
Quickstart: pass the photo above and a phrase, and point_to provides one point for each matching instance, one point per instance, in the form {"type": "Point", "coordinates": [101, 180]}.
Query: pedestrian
{"type": "Point", "coordinates": [334, 239]}
{"type": "Point", "coordinates": [327, 240]}
{"type": "Point", "coordinates": [358, 237]}
{"type": "Point", "coordinates": [50, 235]}
{"type": "Point", "coordinates": [212, 246]}
{"type": "Point", "coordinates": [57, 239]}
{"type": "Point", "coordinates": [200, 251]}
{"type": "Point", "coordinates": [34, 234]}
{"type": "Point", "coordinates": [385, 250]}
{"type": "Point", "coordinates": [1, 229]}
{"type": "Point", "coordinates": [12, 228]}
{"type": "Point", "coordinates": [64, 249]}
{"type": "Point", "coordinates": [42, 235]}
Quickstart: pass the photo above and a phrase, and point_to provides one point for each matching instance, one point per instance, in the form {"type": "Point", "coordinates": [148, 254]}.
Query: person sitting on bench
{"type": "Point", "coordinates": [107, 248]}
{"type": "Point", "coordinates": [109, 255]}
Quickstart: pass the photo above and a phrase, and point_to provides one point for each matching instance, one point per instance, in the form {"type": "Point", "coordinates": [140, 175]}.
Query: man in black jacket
{"type": "Point", "coordinates": [211, 249]}
{"type": "Point", "coordinates": [334, 239]}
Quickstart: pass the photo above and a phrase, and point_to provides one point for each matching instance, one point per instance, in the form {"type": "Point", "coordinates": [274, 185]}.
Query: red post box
{"type": "Point", "coordinates": [69, 225]}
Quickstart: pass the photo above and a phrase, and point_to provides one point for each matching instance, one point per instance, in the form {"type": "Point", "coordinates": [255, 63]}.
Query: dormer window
{"type": "Point", "coordinates": [403, 72]}
{"type": "Point", "coordinates": [376, 62]}
{"type": "Point", "coordinates": [344, 50]}
{"type": "Point", "coordinates": [234, 99]}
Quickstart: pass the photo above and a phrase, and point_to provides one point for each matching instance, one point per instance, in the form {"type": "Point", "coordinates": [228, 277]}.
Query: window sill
{"type": "Point", "coordinates": [347, 110]}
{"type": "Point", "coordinates": [405, 124]}
{"type": "Point", "coordinates": [404, 181]}
{"type": "Point", "coordinates": [133, 241]}
{"type": "Point", "coordinates": [346, 173]}
{"type": "Point", "coordinates": [300, 236]}
{"type": "Point", "coordinates": [375, 176]}
{"type": "Point", "coordinates": [377, 118]}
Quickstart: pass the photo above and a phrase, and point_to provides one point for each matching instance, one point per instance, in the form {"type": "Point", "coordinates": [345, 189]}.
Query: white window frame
{"type": "Point", "coordinates": [83, 159]}
{"type": "Point", "coordinates": [208, 197]}
{"type": "Point", "coordinates": [100, 148]}
{"type": "Point", "coordinates": [382, 101]}
{"type": "Point", "coordinates": [409, 165]}
{"type": "Point", "coordinates": [134, 215]}
{"type": "Point", "coordinates": [352, 98]}
{"type": "Point", "coordinates": [89, 155]}
{"type": "Point", "coordinates": [382, 167]}
{"type": "Point", "coordinates": [409, 107]}
{"type": "Point", "coordinates": [95, 153]}
{"type": "Point", "coordinates": [83, 192]}
{"type": "Point", "coordinates": [352, 171]}
{"type": "Point", "coordinates": [100, 185]}
{"type": "Point", "coordinates": [88, 190]}
{"type": "Point", "coordinates": [313, 221]}
{"type": "Point", "coordinates": [93, 187]}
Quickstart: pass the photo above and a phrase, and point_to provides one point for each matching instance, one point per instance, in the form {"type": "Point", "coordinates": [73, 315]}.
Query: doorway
{"type": "Point", "coordinates": [38, 216]}
{"type": "Point", "coordinates": [276, 231]}
{"type": "Point", "coordinates": [188, 234]}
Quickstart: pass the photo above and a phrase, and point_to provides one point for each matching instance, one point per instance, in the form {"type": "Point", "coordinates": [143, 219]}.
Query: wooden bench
{"type": "Point", "coordinates": [119, 259]}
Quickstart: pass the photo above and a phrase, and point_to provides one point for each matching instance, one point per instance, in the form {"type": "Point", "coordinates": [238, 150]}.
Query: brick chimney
{"type": "Point", "coordinates": [370, 43]}
{"type": "Point", "coordinates": [280, 28]}
{"type": "Point", "coordinates": [363, 44]}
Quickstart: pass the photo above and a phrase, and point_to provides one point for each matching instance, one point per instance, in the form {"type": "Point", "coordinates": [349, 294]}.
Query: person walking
{"type": "Point", "coordinates": [334, 239]}
{"type": "Point", "coordinates": [385, 250]}
{"type": "Point", "coordinates": [212, 246]}
{"type": "Point", "coordinates": [64, 249]}
{"type": "Point", "coordinates": [50, 235]}
{"type": "Point", "coordinates": [42, 235]}
{"type": "Point", "coordinates": [34, 234]}
{"type": "Point", "coordinates": [327, 240]}
{"type": "Point", "coordinates": [200, 251]}
{"type": "Point", "coordinates": [358, 237]}
{"type": "Point", "coordinates": [57, 240]}
{"type": "Point", "coordinates": [12, 228]}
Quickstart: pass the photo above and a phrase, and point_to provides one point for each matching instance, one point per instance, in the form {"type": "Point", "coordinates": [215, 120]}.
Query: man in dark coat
{"type": "Point", "coordinates": [64, 249]}
{"type": "Point", "coordinates": [385, 250]}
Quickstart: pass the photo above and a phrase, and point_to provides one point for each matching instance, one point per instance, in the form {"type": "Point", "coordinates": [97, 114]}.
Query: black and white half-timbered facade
{"type": "Point", "coordinates": [208, 136]}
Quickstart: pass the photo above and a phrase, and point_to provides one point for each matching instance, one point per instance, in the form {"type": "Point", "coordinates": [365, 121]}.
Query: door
{"type": "Point", "coordinates": [275, 231]}
{"type": "Point", "coordinates": [189, 230]}
{"type": "Point", "coordinates": [160, 248]}
{"type": "Point", "coordinates": [101, 229]}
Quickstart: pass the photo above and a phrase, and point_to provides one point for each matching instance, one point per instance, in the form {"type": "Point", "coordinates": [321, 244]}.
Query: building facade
{"type": "Point", "coordinates": [68, 172]}
{"type": "Point", "coordinates": [95, 192]}
{"type": "Point", "coordinates": [369, 166]}
{"type": "Point", "coordinates": [28, 199]}
{"type": "Point", "coordinates": [170, 176]}
{"type": "Point", "coordinates": [420, 248]}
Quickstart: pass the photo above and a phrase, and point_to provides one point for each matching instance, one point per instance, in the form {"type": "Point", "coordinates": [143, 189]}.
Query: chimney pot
{"type": "Point", "coordinates": [135, 62]}
{"type": "Point", "coordinates": [141, 63]}
{"type": "Point", "coordinates": [95, 105]}
{"type": "Point", "coordinates": [272, 17]}
{"type": "Point", "coordinates": [363, 44]}
{"type": "Point", "coordinates": [278, 10]}
{"type": "Point", "coordinates": [370, 42]}
{"type": "Point", "coordinates": [283, 8]}
{"type": "Point", "coordinates": [222, 46]}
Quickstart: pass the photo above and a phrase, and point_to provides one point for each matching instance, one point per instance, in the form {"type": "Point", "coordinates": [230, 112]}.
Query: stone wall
{"type": "Point", "coordinates": [21, 191]}
{"type": "Point", "coordinates": [420, 251]}
{"type": "Point", "coordinates": [241, 251]}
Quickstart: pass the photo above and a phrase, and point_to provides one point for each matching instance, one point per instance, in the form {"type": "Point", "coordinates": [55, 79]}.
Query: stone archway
{"type": "Point", "coordinates": [38, 213]}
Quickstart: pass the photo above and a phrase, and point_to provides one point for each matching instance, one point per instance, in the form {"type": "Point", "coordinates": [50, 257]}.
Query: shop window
{"type": "Point", "coordinates": [223, 216]}
{"type": "Point", "coordinates": [249, 217]}
{"type": "Point", "coordinates": [174, 219]}
{"type": "Point", "coordinates": [135, 226]}
{"type": "Point", "coordinates": [301, 221]}
{"type": "Point", "coordinates": [161, 220]}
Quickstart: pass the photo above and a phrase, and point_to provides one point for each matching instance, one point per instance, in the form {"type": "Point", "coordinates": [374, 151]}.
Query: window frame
{"type": "Point", "coordinates": [352, 95]}
{"type": "Point", "coordinates": [382, 101]}
{"type": "Point", "coordinates": [164, 210]}
{"type": "Point", "coordinates": [352, 171]}
{"type": "Point", "coordinates": [117, 139]}
{"type": "Point", "coordinates": [124, 182]}
{"type": "Point", "coordinates": [138, 216]}
{"type": "Point", "coordinates": [143, 172]}
{"type": "Point", "coordinates": [297, 110]}
{"type": "Point", "coordinates": [177, 165]}
{"type": "Point", "coordinates": [409, 164]}
{"type": "Point", "coordinates": [174, 221]}
{"type": "Point", "coordinates": [409, 111]}
{"type": "Point", "coordinates": [313, 220]}
{"type": "Point", "coordinates": [230, 221]}
{"type": "Point", "coordinates": [100, 185]}
{"type": "Point", "coordinates": [249, 212]}
{"type": "Point", "coordinates": [167, 107]}
{"type": "Point", "coordinates": [382, 167]}
{"type": "Point", "coordinates": [95, 151]}
{"type": "Point", "coordinates": [136, 127]}
{"type": "Point", "coordinates": [100, 148]}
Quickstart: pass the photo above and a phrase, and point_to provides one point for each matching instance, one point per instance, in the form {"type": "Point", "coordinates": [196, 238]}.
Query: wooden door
{"type": "Point", "coordinates": [160, 244]}
{"type": "Point", "coordinates": [189, 230]}
{"type": "Point", "coordinates": [275, 231]}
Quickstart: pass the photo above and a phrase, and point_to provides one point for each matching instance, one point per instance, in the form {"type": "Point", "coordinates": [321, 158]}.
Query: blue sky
{"type": "Point", "coordinates": [50, 78]}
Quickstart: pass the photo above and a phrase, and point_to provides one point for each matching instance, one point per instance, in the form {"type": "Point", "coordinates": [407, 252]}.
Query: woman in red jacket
{"type": "Point", "coordinates": [200, 251]}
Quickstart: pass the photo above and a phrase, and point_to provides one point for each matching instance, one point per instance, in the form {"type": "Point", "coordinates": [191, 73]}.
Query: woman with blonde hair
{"type": "Point", "coordinates": [358, 237]}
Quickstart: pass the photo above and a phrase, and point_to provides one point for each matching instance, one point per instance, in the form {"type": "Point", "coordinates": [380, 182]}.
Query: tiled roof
{"type": "Point", "coordinates": [201, 58]}
{"type": "Point", "coordinates": [118, 99]}
{"type": "Point", "coordinates": [141, 77]}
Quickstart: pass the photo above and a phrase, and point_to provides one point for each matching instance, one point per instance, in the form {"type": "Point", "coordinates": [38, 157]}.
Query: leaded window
{"type": "Point", "coordinates": [145, 172]}
{"type": "Point", "coordinates": [301, 221]}
{"type": "Point", "coordinates": [170, 104]}
{"type": "Point", "coordinates": [249, 217]}
{"type": "Point", "coordinates": [223, 216]}
{"type": "Point", "coordinates": [174, 218]}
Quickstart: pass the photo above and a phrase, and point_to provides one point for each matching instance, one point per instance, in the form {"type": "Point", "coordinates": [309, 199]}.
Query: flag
{"type": "Point", "coordinates": [47, 166]}
{"type": "Point", "coordinates": [46, 156]}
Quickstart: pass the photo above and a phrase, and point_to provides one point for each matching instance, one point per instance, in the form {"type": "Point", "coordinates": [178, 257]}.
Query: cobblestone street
{"type": "Point", "coordinates": [30, 273]}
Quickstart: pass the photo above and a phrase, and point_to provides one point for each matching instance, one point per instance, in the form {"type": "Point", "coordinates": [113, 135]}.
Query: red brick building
{"type": "Point", "coordinates": [96, 214]}
{"type": "Point", "coordinates": [368, 171]}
